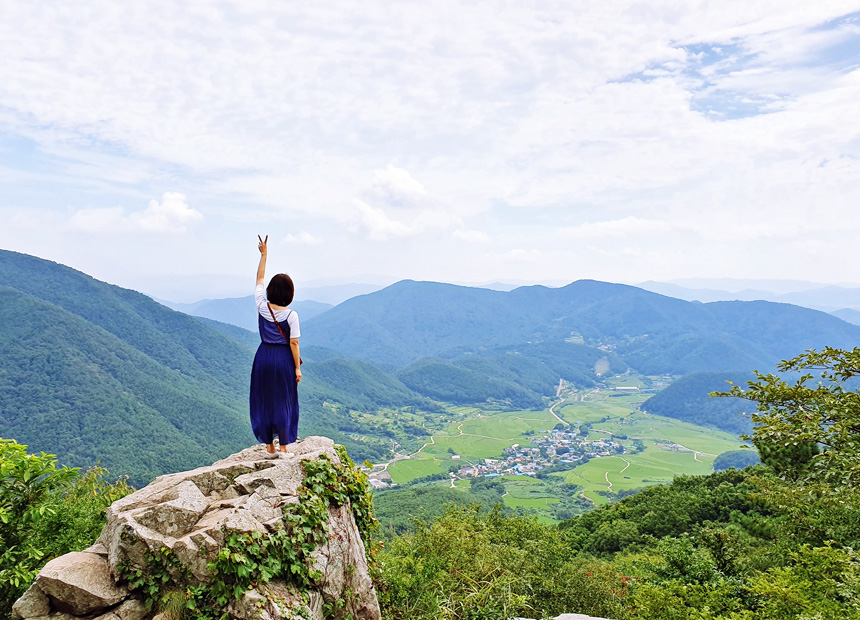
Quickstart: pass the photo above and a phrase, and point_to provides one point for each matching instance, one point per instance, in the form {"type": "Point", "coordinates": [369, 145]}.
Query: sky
{"type": "Point", "coordinates": [148, 143]}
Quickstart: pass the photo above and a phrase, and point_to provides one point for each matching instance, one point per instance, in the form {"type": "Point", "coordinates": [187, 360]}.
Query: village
{"type": "Point", "coordinates": [549, 449]}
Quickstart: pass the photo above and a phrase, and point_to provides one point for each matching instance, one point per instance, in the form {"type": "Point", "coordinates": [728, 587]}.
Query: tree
{"type": "Point", "coordinates": [45, 511]}
{"type": "Point", "coordinates": [809, 432]}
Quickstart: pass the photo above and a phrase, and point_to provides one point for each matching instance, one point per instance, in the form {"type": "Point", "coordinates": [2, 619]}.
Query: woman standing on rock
{"type": "Point", "coordinates": [277, 366]}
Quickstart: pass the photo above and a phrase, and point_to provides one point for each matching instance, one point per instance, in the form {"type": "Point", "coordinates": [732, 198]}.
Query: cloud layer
{"type": "Point", "coordinates": [471, 141]}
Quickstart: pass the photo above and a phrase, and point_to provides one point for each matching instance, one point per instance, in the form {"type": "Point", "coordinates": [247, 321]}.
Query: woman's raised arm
{"type": "Point", "coordinates": [261, 269]}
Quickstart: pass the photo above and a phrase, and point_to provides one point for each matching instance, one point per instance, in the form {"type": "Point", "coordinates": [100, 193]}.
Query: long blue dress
{"type": "Point", "coordinates": [274, 391]}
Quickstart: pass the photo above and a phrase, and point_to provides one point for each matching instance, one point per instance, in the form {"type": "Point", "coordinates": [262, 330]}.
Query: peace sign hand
{"type": "Point", "coordinates": [262, 245]}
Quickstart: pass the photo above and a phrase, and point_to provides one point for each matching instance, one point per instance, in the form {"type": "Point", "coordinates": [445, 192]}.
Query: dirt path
{"type": "Point", "coordinates": [582, 398]}
{"type": "Point", "coordinates": [606, 473]}
{"type": "Point", "coordinates": [584, 496]}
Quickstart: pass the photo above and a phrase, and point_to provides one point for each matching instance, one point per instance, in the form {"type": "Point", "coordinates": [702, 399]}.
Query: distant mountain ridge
{"type": "Point", "coordinates": [652, 333]}
{"type": "Point", "coordinates": [827, 298]}
{"type": "Point", "coordinates": [240, 311]}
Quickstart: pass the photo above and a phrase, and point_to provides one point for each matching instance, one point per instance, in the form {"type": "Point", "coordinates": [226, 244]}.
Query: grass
{"type": "Point", "coordinates": [479, 434]}
{"type": "Point", "coordinates": [482, 435]}
{"type": "Point", "coordinates": [527, 492]}
{"type": "Point", "coordinates": [404, 471]}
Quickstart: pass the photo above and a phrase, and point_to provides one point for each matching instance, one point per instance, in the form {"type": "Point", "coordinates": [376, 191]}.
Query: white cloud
{"type": "Point", "coordinates": [379, 226]}
{"type": "Point", "coordinates": [396, 205]}
{"type": "Point", "coordinates": [303, 238]}
{"type": "Point", "coordinates": [624, 227]}
{"type": "Point", "coordinates": [471, 236]}
{"type": "Point", "coordinates": [397, 188]}
{"type": "Point", "coordinates": [601, 121]}
{"type": "Point", "coordinates": [170, 216]}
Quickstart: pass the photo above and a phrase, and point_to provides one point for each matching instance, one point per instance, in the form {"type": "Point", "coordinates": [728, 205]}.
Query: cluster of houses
{"type": "Point", "coordinates": [549, 449]}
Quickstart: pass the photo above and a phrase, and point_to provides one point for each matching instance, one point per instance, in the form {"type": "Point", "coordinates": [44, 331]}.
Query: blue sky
{"type": "Point", "coordinates": [149, 144]}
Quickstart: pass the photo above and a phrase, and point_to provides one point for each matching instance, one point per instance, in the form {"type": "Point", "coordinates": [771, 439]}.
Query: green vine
{"type": "Point", "coordinates": [249, 559]}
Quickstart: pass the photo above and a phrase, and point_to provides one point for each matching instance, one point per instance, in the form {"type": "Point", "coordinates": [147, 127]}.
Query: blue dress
{"type": "Point", "coordinates": [274, 391]}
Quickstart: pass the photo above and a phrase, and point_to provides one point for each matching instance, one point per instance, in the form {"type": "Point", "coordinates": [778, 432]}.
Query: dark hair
{"type": "Point", "coordinates": [281, 290]}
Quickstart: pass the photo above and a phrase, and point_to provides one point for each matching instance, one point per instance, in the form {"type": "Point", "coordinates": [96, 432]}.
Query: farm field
{"type": "Point", "coordinates": [483, 435]}
{"type": "Point", "coordinates": [656, 448]}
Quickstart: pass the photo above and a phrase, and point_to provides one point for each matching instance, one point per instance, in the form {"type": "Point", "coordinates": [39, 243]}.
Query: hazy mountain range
{"type": "Point", "coordinates": [830, 298]}
{"type": "Point", "coordinates": [90, 371]}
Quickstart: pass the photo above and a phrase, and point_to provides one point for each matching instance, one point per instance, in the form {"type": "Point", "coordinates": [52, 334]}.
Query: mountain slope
{"type": "Point", "coordinates": [688, 400]}
{"type": "Point", "coordinates": [654, 334]}
{"type": "Point", "coordinates": [90, 371]}
{"type": "Point", "coordinates": [76, 390]}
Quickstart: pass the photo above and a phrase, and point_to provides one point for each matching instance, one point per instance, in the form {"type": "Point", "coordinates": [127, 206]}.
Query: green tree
{"type": "Point", "coordinates": [45, 511]}
{"type": "Point", "coordinates": [794, 420]}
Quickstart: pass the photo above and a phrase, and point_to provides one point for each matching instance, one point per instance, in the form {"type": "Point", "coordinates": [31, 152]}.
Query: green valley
{"type": "Point", "coordinates": [648, 449]}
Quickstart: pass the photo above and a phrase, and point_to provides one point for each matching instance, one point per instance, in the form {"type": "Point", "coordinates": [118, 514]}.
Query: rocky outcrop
{"type": "Point", "coordinates": [177, 525]}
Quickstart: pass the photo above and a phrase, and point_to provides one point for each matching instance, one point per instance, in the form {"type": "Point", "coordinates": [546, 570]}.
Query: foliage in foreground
{"type": "Point", "coordinates": [481, 566]}
{"type": "Point", "coordinates": [45, 511]}
{"type": "Point", "coordinates": [810, 433]}
{"type": "Point", "coordinates": [734, 546]}
{"type": "Point", "coordinates": [776, 541]}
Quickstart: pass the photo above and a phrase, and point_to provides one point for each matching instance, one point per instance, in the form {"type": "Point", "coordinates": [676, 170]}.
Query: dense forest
{"type": "Point", "coordinates": [651, 333]}
{"type": "Point", "coordinates": [688, 399]}
{"type": "Point", "coordinates": [775, 541]}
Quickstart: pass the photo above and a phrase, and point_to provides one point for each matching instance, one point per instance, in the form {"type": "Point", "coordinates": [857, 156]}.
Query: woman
{"type": "Point", "coordinates": [277, 365]}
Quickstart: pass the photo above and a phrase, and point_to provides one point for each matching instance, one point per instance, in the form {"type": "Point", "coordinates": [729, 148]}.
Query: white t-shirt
{"type": "Point", "coordinates": [290, 316]}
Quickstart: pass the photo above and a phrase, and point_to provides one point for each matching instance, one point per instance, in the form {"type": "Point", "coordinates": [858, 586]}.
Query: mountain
{"type": "Point", "coordinates": [93, 372]}
{"type": "Point", "coordinates": [848, 314]}
{"type": "Point", "coordinates": [652, 333]}
{"type": "Point", "coordinates": [688, 399]}
{"type": "Point", "coordinates": [240, 311]}
{"type": "Point", "coordinates": [519, 376]}
{"type": "Point", "coordinates": [706, 295]}
{"type": "Point", "coordinates": [809, 295]}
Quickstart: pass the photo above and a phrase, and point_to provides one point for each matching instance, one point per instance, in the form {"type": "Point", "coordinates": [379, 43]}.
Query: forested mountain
{"type": "Point", "coordinates": [688, 399]}
{"type": "Point", "coordinates": [521, 375]}
{"type": "Point", "coordinates": [848, 314]}
{"type": "Point", "coordinates": [91, 371]}
{"type": "Point", "coordinates": [652, 333]}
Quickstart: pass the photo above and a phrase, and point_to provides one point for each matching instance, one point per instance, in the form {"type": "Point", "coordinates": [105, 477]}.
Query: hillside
{"type": "Point", "coordinates": [520, 376]}
{"type": "Point", "coordinates": [653, 334]}
{"type": "Point", "coordinates": [93, 372]}
{"type": "Point", "coordinates": [687, 400]}
{"type": "Point", "coordinates": [72, 388]}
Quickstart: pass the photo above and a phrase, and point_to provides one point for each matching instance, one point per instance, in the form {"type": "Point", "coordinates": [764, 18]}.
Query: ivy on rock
{"type": "Point", "coordinates": [251, 559]}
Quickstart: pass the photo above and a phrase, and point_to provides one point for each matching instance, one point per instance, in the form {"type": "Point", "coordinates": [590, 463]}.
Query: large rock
{"type": "Point", "coordinates": [79, 583]}
{"type": "Point", "coordinates": [191, 514]}
{"type": "Point", "coordinates": [32, 604]}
